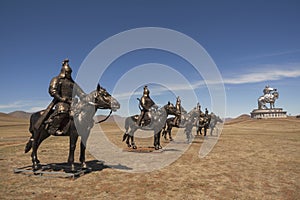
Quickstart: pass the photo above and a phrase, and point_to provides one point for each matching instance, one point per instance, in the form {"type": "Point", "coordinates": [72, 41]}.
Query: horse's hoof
{"type": "Point", "coordinates": [157, 147]}
{"type": "Point", "coordinates": [128, 145]}
{"type": "Point", "coordinates": [35, 166]}
{"type": "Point", "coordinates": [83, 165]}
{"type": "Point", "coordinates": [134, 147]}
{"type": "Point", "coordinates": [73, 168]}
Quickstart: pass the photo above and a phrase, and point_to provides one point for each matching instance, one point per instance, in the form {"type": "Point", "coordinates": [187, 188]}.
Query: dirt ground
{"type": "Point", "coordinates": [253, 159]}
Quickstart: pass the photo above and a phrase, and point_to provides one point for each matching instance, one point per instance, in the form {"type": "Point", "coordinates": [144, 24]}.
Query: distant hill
{"type": "Point", "coordinates": [6, 119]}
{"type": "Point", "coordinates": [241, 118]}
{"type": "Point", "coordinates": [20, 114]}
{"type": "Point", "coordinates": [112, 118]}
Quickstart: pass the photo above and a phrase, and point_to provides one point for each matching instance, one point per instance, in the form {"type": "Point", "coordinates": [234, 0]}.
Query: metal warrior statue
{"type": "Point", "coordinates": [270, 96]}
{"type": "Point", "coordinates": [178, 108]}
{"type": "Point", "coordinates": [62, 88]}
{"type": "Point", "coordinates": [60, 119]}
{"type": "Point", "coordinates": [146, 103]}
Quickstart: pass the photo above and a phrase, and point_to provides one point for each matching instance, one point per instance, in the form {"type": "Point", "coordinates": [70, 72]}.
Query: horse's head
{"type": "Point", "coordinates": [219, 119]}
{"type": "Point", "coordinates": [101, 99]}
{"type": "Point", "coordinates": [275, 94]}
{"type": "Point", "coordinates": [195, 113]}
{"type": "Point", "coordinates": [216, 117]}
{"type": "Point", "coordinates": [171, 109]}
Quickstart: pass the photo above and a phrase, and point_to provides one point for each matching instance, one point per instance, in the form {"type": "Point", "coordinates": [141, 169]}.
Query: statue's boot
{"type": "Point", "coordinates": [139, 120]}
{"type": "Point", "coordinates": [54, 128]}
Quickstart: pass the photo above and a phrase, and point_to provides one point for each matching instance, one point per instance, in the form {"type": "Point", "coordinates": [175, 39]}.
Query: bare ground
{"type": "Point", "coordinates": [253, 159]}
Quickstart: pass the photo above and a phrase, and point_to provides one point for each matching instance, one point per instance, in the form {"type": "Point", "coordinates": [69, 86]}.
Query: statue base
{"type": "Point", "coordinates": [268, 113]}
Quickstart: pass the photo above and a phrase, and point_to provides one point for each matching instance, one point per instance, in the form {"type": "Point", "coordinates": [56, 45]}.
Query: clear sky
{"type": "Point", "coordinates": [253, 44]}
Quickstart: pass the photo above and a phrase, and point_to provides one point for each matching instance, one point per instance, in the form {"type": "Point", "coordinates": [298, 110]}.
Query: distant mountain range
{"type": "Point", "coordinates": [20, 114]}
{"type": "Point", "coordinates": [116, 118]}
{"type": "Point", "coordinates": [26, 116]}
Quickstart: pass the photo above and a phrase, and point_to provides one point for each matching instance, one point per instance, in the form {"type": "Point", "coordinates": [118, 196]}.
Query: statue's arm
{"type": "Point", "coordinates": [53, 90]}
{"type": "Point", "coordinates": [78, 91]}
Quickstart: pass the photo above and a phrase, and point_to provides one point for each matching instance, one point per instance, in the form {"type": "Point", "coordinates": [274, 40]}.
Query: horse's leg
{"type": "Point", "coordinates": [197, 132]}
{"type": "Point", "coordinates": [170, 133]}
{"type": "Point", "coordinates": [36, 140]}
{"type": "Point", "coordinates": [127, 140]}
{"type": "Point", "coordinates": [131, 137]}
{"type": "Point", "coordinates": [164, 134]}
{"type": "Point", "coordinates": [34, 159]}
{"type": "Point", "coordinates": [73, 140]}
{"type": "Point", "coordinates": [156, 142]}
{"type": "Point", "coordinates": [82, 155]}
{"type": "Point", "coordinates": [132, 142]}
{"type": "Point", "coordinates": [158, 139]}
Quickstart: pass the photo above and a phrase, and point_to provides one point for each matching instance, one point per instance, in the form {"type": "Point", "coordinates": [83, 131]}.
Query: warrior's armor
{"type": "Point", "coordinates": [63, 88]}
{"type": "Point", "coordinates": [267, 91]}
{"type": "Point", "coordinates": [146, 103]}
{"type": "Point", "coordinates": [206, 112]}
{"type": "Point", "coordinates": [177, 118]}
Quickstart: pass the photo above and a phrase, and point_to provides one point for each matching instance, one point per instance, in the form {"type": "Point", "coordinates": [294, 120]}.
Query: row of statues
{"type": "Point", "coordinates": [63, 89]}
{"type": "Point", "coordinates": [67, 115]}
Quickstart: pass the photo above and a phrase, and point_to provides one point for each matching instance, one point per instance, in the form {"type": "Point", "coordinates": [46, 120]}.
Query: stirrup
{"type": "Point", "coordinates": [59, 132]}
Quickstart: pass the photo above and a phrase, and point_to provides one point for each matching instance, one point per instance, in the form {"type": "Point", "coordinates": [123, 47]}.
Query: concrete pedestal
{"type": "Point", "coordinates": [268, 113]}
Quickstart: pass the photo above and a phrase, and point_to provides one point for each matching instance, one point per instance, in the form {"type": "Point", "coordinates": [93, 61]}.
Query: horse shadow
{"type": "Point", "coordinates": [62, 170]}
{"type": "Point", "coordinates": [92, 166]}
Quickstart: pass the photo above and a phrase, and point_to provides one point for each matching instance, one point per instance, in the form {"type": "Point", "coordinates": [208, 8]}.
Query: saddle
{"type": "Point", "coordinates": [63, 126]}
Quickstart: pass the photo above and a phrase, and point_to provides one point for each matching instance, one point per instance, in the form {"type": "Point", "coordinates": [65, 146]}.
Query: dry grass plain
{"type": "Point", "coordinates": [253, 159]}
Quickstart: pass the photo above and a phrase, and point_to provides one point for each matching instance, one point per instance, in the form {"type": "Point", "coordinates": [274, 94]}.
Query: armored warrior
{"type": "Point", "coordinates": [63, 89]}
{"type": "Point", "coordinates": [206, 112]}
{"type": "Point", "coordinates": [177, 118]}
{"type": "Point", "coordinates": [198, 106]}
{"type": "Point", "coordinates": [267, 91]}
{"type": "Point", "coordinates": [146, 103]}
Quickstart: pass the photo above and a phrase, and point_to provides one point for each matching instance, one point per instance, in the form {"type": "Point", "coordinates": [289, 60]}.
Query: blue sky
{"type": "Point", "coordinates": [253, 44]}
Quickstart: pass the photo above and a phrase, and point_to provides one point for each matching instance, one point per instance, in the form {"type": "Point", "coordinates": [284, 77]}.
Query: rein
{"type": "Point", "coordinates": [105, 118]}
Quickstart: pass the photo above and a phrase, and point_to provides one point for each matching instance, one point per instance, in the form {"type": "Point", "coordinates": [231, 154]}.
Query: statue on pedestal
{"type": "Point", "coordinates": [270, 96]}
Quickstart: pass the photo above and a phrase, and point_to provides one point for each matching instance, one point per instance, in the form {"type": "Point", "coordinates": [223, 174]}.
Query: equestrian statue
{"type": "Point", "coordinates": [151, 118]}
{"type": "Point", "coordinates": [181, 119]}
{"type": "Point", "coordinates": [270, 95]}
{"type": "Point", "coordinates": [207, 121]}
{"type": "Point", "coordinates": [66, 115]}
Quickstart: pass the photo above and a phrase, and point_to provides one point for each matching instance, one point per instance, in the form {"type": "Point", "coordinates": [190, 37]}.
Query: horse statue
{"type": "Point", "coordinates": [184, 119]}
{"type": "Point", "coordinates": [81, 121]}
{"type": "Point", "coordinates": [268, 98]}
{"type": "Point", "coordinates": [208, 122]}
{"type": "Point", "coordinates": [156, 121]}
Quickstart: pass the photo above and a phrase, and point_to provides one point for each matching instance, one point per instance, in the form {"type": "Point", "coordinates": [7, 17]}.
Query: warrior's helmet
{"type": "Point", "coordinates": [178, 101]}
{"type": "Point", "coordinates": [146, 91]}
{"type": "Point", "coordinates": [198, 106]}
{"type": "Point", "coordinates": [65, 69]}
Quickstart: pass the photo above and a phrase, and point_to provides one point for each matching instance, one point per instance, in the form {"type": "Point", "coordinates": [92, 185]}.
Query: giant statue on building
{"type": "Point", "coordinates": [270, 95]}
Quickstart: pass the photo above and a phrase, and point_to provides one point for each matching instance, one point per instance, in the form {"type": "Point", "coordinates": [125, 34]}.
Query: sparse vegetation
{"type": "Point", "coordinates": [253, 159]}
